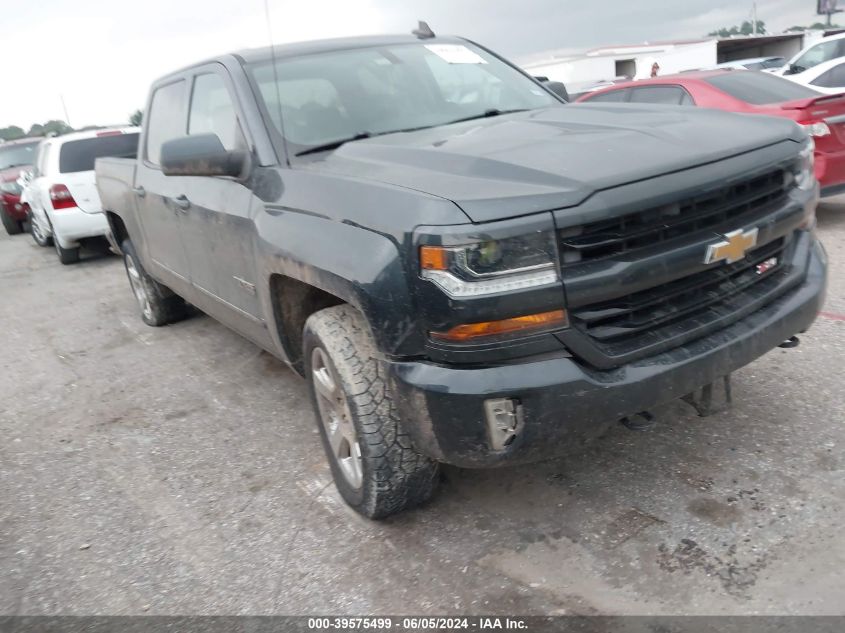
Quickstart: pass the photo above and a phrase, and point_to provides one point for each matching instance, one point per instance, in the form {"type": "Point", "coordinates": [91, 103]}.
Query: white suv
{"type": "Point", "coordinates": [830, 47]}
{"type": "Point", "coordinates": [61, 190]}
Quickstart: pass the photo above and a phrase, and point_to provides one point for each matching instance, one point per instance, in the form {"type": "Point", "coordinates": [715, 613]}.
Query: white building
{"type": "Point", "coordinates": [635, 61]}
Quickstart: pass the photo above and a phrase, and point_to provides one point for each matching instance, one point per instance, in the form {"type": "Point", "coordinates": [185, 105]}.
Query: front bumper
{"type": "Point", "coordinates": [565, 402]}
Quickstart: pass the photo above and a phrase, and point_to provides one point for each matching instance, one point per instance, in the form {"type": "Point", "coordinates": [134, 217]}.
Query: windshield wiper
{"type": "Point", "coordinates": [334, 144]}
{"type": "Point", "coordinates": [486, 115]}
{"type": "Point", "coordinates": [325, 147]}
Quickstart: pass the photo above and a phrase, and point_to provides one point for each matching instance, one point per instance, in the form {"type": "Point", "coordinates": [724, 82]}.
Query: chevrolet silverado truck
{"type": "Point", "coordinates": [465, 269]}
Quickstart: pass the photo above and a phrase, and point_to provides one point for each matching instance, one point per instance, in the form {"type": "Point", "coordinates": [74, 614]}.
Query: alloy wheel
{"type": "Point", "coordinates": [337, 418]}
{"type": "Point", "coordinates": [138, 288]}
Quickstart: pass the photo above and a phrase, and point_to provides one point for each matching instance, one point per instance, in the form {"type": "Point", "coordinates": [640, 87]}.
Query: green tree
{"type": "Point", "coordinates": [11, 132]}
{"type": "Point", "coordinates": [56, 127]}
{"type": "Point", "coordinates": [136, 117]}
{"type": "Point", "coordinates": [746, 28]}
{"type": "Point", "coordinates": [817, 26]}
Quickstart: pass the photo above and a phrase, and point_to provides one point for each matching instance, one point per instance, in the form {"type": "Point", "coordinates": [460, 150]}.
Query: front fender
{"type": "Point", "coordinates": [359, 266]}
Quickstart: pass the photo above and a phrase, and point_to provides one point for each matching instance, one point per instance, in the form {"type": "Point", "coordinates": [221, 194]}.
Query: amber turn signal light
{"type": "Point", "coordinates": [434, 258]}
{"type": "Point", "coordinates": [471, 331]}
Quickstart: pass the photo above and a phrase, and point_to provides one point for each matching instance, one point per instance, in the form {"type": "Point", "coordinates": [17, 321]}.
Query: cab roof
{"type": "Point", "coordinates": [296, 49]}
{"type": "Point", "coordinates": [337, 44]}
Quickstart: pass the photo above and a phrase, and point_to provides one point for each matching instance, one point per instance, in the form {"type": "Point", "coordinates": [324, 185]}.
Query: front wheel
{"type": "Point", "coordinates": [12, 226]}
{"type": "Point", "coordinates": [158, 304]}
{"type": "Point", "coordinates": [375, 466]}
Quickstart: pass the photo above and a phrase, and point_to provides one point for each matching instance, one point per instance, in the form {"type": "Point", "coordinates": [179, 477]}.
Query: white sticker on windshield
{"type": "Point", "coordinates": [455, 54]}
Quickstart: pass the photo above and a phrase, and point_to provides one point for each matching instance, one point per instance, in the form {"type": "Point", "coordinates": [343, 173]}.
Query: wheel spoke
{"type": "Point", "coordinates": [337, 439]}
{"type": "Point", "coordinates": [324, 384]}
{"type": "Point", "coordinates": [336, 418]}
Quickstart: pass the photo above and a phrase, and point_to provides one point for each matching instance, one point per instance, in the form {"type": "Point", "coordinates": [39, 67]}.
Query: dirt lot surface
{"type": "Point", "coordinates": [178, 470]}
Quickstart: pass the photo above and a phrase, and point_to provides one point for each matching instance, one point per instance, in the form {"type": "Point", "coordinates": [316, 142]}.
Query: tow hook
{"type": "Point", "coordinates": [792, 341]}
{"type": "Point", "coordinates": [638, 422]}
{"type": "Point", "coordinates": [703, 404]}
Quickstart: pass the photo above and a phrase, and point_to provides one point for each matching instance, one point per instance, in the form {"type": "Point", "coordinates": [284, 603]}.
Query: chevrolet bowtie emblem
{"type": "Point", "coordinates": [733, 248]}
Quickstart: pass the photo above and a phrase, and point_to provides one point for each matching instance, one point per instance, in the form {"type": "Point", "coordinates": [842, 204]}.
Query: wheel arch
{"type": "Point", "coordinates": [293, 301]}
{"type": "Point", "coordinates": [117, 227]}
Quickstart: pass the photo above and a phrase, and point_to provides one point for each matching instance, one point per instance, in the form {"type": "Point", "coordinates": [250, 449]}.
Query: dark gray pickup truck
{"type": "Point", "coordinates": [465, 269]}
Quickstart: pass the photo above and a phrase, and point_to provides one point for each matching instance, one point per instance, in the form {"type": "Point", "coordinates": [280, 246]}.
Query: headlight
{"type": "Point", "coordinates": [11, 187]}
{"type": "Point", "coordinates": [490, 267]}
{"type": "Point", "coordinates": [803, 169]}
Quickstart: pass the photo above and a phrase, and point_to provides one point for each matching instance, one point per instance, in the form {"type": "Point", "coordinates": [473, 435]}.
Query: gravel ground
{"type": "Point", "coordinates": [178, 471]}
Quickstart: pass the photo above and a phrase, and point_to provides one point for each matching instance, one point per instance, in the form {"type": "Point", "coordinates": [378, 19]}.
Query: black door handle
{"type": "Point", "coordinates": [182, 202]}
{"type": "Point", "coordinates": [139, 191]}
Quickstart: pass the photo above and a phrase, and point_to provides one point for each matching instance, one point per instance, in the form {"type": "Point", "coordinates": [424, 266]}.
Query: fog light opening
{"type": "Point", "coordinates": [504, 421]}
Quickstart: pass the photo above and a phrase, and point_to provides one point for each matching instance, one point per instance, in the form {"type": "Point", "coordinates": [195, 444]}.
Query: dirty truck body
{"type": "Point", "coordinates": [521, 279]}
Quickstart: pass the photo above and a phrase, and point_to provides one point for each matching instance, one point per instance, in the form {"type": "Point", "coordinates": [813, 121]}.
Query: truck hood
{"type": "Point", "coordinates": [552, 158]}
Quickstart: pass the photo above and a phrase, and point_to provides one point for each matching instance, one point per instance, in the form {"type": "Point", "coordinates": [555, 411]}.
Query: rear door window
{"type": "Point", "coordinates": [213, 111]}
{"type": "Point", "coordinates": [76, 156]}
{"type": "Point", "coordinates": [833, 78]}
{"type": "Point", "coordinates": [166, 119]}
{"type": "Point", "coordinates": [614, 96]}
{"type": "Point", "coordinates": [667, 95]}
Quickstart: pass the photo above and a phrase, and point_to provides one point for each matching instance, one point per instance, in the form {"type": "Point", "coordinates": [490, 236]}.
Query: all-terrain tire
{"type": "Point", "coordinates": [12, 226]}
{"type": "Point", "coordinates": [158, 304]}
{"type": "Point", "coordinates": [395, 475]}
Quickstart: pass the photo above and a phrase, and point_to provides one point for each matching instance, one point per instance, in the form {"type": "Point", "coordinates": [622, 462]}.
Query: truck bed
{"type": "Point", "coordinates": [115, 179]}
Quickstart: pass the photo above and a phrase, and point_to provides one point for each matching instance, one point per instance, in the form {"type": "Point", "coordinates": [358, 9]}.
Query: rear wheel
{"type": "Point", "coordinates": [158, 304]}
{"type": "Point", "coordinates": [66, 255]}
{"type": "Point", "coordinates": [39, 235]}
{"type": "Point", "coordinates": [375, 466]}
{"type": "Point", "coordinates": [12, 226]}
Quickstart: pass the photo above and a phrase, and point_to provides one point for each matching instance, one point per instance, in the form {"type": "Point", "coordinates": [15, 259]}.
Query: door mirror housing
{"type": "Point", "coordinates": [559, 89]}
{"type": "Point", "coordinates": [202, 155]}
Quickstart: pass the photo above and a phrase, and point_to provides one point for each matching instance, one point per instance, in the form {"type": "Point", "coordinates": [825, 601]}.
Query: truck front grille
{"type": "Point", "coordinates": [636, 320]}
{"type": "Point", "coordinates": [637, 284]}
{"type": "Point", "coordinates": [736, 203]}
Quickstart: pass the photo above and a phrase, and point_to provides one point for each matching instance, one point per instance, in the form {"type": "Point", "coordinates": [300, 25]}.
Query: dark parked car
{"type": "Point", "coordinates": [15, 157]}
{"type": "Point", "coordinates": [464, 269]}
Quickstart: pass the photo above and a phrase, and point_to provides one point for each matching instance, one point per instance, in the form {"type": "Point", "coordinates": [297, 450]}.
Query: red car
{"type": "Point", "coordinates": [15, 156]}
{"type": "Point", "coordinates": [751, 92]}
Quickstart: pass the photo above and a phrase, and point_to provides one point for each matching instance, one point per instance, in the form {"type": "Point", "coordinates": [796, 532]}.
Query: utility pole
{"type": "Point", "coordinates": [754, 18]}
{"type": "Point", "coordinates": [64, 107]}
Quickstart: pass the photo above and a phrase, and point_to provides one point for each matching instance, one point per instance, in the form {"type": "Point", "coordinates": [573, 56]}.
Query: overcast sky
{"type": "Point", "coordinates": [101, 55]}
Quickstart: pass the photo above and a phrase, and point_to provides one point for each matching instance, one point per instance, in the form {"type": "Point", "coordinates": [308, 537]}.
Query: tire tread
{"type": "Point", "coordinates": [401, 476]}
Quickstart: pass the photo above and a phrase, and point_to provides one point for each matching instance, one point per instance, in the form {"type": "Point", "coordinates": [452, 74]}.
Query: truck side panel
{"type": "Point", "coordinates": [115, 180]}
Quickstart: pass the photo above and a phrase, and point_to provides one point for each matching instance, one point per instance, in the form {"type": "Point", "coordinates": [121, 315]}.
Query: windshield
{"type": "Point", "coordinates": [340, 95]}
{"type": "Point", "coordinates": [759, 88]}
{"type": "Point", "coordinates": [818, 54]}
{"type": "Point", "coordinates": [18, 154]}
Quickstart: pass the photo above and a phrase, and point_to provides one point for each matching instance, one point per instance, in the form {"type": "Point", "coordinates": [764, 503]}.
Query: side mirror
{"type": "Point", "coordinates": [201, 155]}
{"type": "Point", "coordinates": [559, 89]}
{"type": "Point", "coordinates": [25, 177]}
{"type": "Point", "coordinates": [792, 70]}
